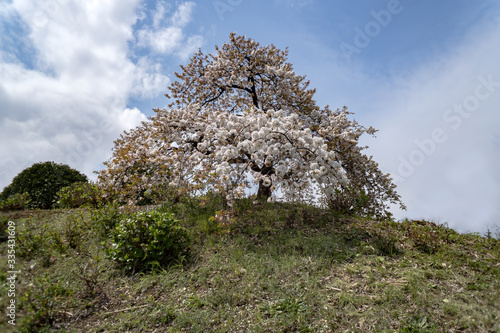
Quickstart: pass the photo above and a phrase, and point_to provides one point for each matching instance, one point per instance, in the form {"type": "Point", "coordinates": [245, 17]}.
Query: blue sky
{"type": "Point", "coordinates": [74, 74]}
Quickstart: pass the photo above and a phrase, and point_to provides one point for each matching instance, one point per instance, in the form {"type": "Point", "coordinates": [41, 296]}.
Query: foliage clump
{"type": "Point", "coordinates": [41, 181]}
{"type": "Point", "coordinates": [18, 201]}
{"type": "Point", "coordinates": [242, 118]}
{"type": "Point", "coordinates": [104, 219]}
{"type": "Point", "coordinates": [79, 194]}
{"type": "Point", "coordinates": [146, 240]}
{"type": "Point", "coordinates": [4, 225]}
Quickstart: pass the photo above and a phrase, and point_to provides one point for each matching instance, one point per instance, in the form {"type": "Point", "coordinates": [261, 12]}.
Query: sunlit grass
{"type": "Point", "coordinates": [274, 268]}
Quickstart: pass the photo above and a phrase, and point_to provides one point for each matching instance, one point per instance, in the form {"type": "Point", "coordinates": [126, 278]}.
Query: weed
{"type": "Point", "coordinates": [58, 241]}
{"type": "Point", "coordinates": [418, 324]}
{"type": "Point", "coordinates": [220, 223]}
{"type": "Point", "coordinates": [89, 272]}
{"type": "Point", "coordinates": [75, 230]}
{"type": "Point", "coordinates": [31, 238]}
{"type": "Point", "coordinates": [386, 245]}
{"type": "Point", "coordinates": [44, 300]}
{"type": "Point", "coordinates": [287, 307]}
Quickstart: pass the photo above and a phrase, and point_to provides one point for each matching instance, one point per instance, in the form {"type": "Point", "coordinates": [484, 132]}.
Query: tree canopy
{"type": "Point", "coordinates": [242, 116]}
{"type": "Point", "coordinates": [42, 181]}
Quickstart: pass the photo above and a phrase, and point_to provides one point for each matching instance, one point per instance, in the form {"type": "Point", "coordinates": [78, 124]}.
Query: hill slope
{"type": "Point", "coordinates": [274, 268]}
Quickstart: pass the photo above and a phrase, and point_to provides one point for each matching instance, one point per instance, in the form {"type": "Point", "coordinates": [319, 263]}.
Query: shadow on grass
{"type": "Point", "coordinates": [290, 229]}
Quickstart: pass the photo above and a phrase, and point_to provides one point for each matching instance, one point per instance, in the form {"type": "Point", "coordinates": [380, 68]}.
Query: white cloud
{"type": "Point", "coordinates": [149, 82]}
{"type": "Point", "coordinates": [166, 36]}
{"type": "Point", "coordinates": [191, 46]}
{"type": "Point", "coordinates": [71, 103]}
{"type": "Point", "coordinates": [451, 176]}
{"type": "Point", "coordinates": [183, 15]}
{"type": "Point", "coordinates": [162, 9]}
{"type": "Point", "coordinates": [458, 182]}
{"type": "Point", "coordinates": [165, 40]}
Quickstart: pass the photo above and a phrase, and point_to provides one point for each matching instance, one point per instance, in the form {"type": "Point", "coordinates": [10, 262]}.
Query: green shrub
{"type": "Point", "coordinates": [147, 239]}
{"type": "Point", "coordinates": [427, 237]}
{"type": "Point", "coordinates": [348, 201]}
{"type": "Point", "coordinates": [75, 231]}
{"type": "Point", "coordinates": [104, 219]}
{"type": "Point", "coordinates": [31, 238]}
{"type": "Point", "coordinates": [78, 194]}
{"type": "Point", "coordinates": [18, 201]}
{"type": "Point", "coordinates": [42, 181]}
{"type": "Point", "coordinates": [4, 225]}
{"type": "Point", "coordinates": [45, 305]}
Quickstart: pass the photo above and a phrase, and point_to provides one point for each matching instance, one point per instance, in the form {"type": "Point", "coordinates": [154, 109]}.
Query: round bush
{"type": "Point", "coordinates": [146, 239]}
{"type": "Point", "coordinates": [42, 181]}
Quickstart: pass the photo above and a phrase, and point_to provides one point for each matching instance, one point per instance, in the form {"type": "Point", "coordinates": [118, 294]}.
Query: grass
{"type": "Point", "coordinates": [266, 268]}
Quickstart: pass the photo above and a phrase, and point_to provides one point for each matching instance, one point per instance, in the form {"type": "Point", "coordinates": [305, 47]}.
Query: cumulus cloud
{"type": "Point", "coordinates": [65, 97]}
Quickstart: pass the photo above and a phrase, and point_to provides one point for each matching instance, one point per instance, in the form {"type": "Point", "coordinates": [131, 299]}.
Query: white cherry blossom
{"type": "Point", "coordinates": [242, 117]}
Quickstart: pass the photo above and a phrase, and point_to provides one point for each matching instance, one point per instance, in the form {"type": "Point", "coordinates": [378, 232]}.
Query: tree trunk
{"type": "Point", "coordinates": [264, 192]}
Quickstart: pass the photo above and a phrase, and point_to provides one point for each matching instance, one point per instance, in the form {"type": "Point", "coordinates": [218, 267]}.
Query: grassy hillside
{"type": "Point", "coordinates": [273, 268]}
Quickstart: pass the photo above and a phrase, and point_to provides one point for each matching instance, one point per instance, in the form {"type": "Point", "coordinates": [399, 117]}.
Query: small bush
{"type": "Point", "coordinates": [147, 239]}
{"type": "Point", "coordinates": [104, 219]}
{"type": "Point", "coordinates": [348, 201]}
{"type": "Point", "coordinates": [78, 194]}
{"type": "Point", "coordinates": [32, 239]}
{"type": "Point", "coordinates": [427, 237]}
{"type": "Point", "coordinates": [75, 231]}
{"type": "Point", "coordinates": [387, 245]}
{"type": "Point", "coordinates": [18, 201]}
{"type": "Point", "coordinates": [45, 305]}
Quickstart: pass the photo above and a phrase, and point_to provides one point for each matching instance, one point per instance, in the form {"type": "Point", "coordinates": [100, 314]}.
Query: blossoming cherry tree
{"type": "Point", "coordinates": [240, 117]}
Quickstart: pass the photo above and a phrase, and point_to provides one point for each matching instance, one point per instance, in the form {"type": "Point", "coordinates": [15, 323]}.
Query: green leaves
{"type": "Point", "coordinates": [18, 201]}
{"type": "Point", "coordinates": [42, 181]}
{"type": "Point", "coordinates": [145, 239]}
{"type": "Point", "coordinates": [79, 194]}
